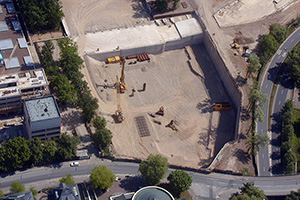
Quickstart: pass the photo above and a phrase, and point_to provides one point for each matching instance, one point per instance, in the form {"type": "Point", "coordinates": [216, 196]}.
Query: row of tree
{"type": "Point", "coordinates": [153, 170]}
{"type": "Point", "coordinates": [294, 61]}
{"type": "Point", "coordinates": [66, 79]}
{"type": "Point", "coordinates": [41, 15]}
{"type": "Point", "coordinates": [18, 152]}
{"type": "Point", "coordinates": [271, 42]}
{"type": "Point", "coordinates": [102, 138]}
{"type": "Point", "coordinates": [287, 134]}
{"type": "Point", "coordinates": [163, 5]}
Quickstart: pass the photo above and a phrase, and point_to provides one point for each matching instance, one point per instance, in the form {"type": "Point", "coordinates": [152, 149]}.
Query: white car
{"type": "Point", "coordinates": [74, 164]}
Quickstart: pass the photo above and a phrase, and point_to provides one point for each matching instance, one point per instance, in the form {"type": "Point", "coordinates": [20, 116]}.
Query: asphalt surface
{"type": "Point", "coordinates": [205, 186]}
{"type": "Point", "coordinates": [267, 156]}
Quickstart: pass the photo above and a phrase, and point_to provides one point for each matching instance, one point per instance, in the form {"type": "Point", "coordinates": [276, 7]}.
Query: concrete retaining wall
{"type": "Point", "coordinates": [228, 81]}
{"type": "Point", "coordinates": [154, 49]}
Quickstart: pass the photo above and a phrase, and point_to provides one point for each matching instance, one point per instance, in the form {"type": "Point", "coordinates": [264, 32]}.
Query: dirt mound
{"type": "Point", "coordinates": [241, 39]}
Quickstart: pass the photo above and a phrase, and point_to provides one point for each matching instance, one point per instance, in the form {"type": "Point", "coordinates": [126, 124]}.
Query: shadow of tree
{"type": "Point", "coordinates": [205, 106]}
{"type": "Point", "coordinates": [132, 183]}
{"type": "Point", "coordinates": [140, 11]}
{"type": "Point", "coordinates": [242, 156]}
{"type": "Point", "coordinates": [245, 114]}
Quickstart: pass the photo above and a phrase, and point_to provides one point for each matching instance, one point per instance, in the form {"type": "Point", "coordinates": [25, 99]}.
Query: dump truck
{"type": "Point", "coordinates": [115, 59]}
{"type": "Point", "coordinates": [222, 106]}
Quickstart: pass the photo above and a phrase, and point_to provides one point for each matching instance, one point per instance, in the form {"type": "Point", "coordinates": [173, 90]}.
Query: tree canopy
{"type": "Point", "coordinates": [254, 142]}
{"type": "Point", "coordinates": [1, 193]}
{"type": "Point", "coordinates": [254, 64]}
{"type": "Point", "coordinates": [69, 180]}
{"type": "Point", "coordinates": [66, 146]}
{"type": "Point", "coordinates": [249, 191]}
{"type": "Point", "coordinates": [36, 149]}
{"type": "Point", "coordinates": [17, 187]}
{"type": "Point", "coordinates": [41, 15]}
{"type": "Point", "coordinates": [154, 168]}
{"type": "Point", "coordinates": [180, 181]}
{"type": "Point", "coordinates": [102, 178]}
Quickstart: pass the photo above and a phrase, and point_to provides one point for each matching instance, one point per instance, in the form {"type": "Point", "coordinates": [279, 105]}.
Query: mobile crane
{"type": "Point", "coordinates": [119, 115]}
{"type": "Point", "coordinates": [122, 85]}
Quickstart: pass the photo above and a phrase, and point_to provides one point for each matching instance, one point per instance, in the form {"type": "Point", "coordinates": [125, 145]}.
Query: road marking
{"type": "Point", "coordinates": [282, 91]}
{"type": "Point", "coordinates": [279, 102]}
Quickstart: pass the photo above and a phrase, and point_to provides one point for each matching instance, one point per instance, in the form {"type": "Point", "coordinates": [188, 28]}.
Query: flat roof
{"type": "Point", "coordinates": [152, 192]}
{"type": "Point", "coordinates": [28, 61]}
{"type": "Point", "coordinates": [13, 63]}
{"type": "Point", "coordinates": [22, 43]}
{"type": "Point", "coordinates": [188, 27]}
{"type": "Point", "coordinates": [3, 26]}
{"type": "Point", "coordinates": [12, 84]}
{"type": "Point", "coordinates": [13, 35]}
{"type": "Point", "coordinates": [42, 109]}
{"type": "Point", "coordinates": [6, 44]}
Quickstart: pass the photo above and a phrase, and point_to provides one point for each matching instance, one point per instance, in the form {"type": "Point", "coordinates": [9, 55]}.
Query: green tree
{"type": "Point", "coordinates": [99, 122]}
{"type": "Point", "coordinates": [65, 91]}
{"type": "Point", "coordinates": [175, 4]}
{"type": "Point", "coordinates": [1, 193]}
{"type": "Point", "coordinates": [36, 149]}
{"type": "Point", "coordinates": [34, 192]}
{"type": "Point", "coordinates": [279, 32]}
{"type": "Point", "coordinates": [14, 154]}
{"type": "Point", "coordinates": [180, 181]}
{"type": "Point", "coordinates": [162, 5]}
{"type": "Point", "coordinates": [16, 187]}
{"type": "Point", "coordinates": [102, 138]}
{"type": "Point", "coordinates": [255, 141]}
{"type": "Point", "coordinates": [254, 64]}
{"type": "Point", "coordinates": [154, 168]}
{"type": "Point", "coordinates": [89, 106]}
{"type": "Point", "coordinates": [249, 191]}
{"type": "Point", "coordinates": [49, 150]}
{"type": "Point", "coordinates": [41, 15]}
{"type": "Point", "coordinates": [66, 146]}
{"type": "Point", "coordinates": [69, 180]}
{"type": "Point", "coordinates": [102, 178]}
{"type": "Point", "coordinates": [257, 99]}
{"type": "Point", "coordinates": [293, 196]}
{"type": "Point", "coordinates": [289, 160]}
{"type": "Point", "coordinates": [267, 47]}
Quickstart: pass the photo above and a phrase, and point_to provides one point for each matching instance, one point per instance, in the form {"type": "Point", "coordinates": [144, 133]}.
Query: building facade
{"type": "Point", "coordinates": [42, 118]}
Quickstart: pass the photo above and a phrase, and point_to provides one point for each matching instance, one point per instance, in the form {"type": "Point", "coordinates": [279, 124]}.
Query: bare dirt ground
{"type": "Point", "coordinates": [234, 157]}
{"type": "Point", "coordinates": [243, 11]}
{"type": "Point", "coordinates": [187, 99]}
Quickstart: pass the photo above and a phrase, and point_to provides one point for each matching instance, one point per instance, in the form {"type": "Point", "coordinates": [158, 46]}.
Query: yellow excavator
{"type": "Point", "coordinates": [119, 115]}
{"type": "Point", "coordinates": [122, 78]}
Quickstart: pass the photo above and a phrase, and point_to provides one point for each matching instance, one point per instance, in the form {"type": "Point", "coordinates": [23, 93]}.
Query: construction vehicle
{"type": "Point", "coordinates": [122, 78]}
{"type": "Point", "coordinates": [222, 106]}
{"type": "Point", "coordinates": [235, 46]}
{"type": "Point", "coordinates": [9, 58]}
{"type": "Point", "coordinates": [161, 111]}
{"type": "Point", "coordinates": [172, 126]}
{"type": "Point", "coordinates": [115, 59]}
{"type": "Point", "coordinates": [119, 115]}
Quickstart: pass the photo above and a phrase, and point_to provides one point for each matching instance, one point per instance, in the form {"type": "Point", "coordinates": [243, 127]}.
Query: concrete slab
{"type": "Point", "coordinates": [189, 27]}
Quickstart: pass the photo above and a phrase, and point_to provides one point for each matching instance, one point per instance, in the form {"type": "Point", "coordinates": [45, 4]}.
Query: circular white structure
{"type": "Point", "coordinates": [152, 193]}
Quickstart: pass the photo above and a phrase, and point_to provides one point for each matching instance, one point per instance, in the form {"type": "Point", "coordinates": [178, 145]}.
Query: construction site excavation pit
{"type": "Point", "coordinates": [186, 84]}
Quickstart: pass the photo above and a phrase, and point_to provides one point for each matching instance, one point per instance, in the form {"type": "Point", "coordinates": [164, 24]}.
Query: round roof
{"type": "Point", "coordinates": [152, 193]}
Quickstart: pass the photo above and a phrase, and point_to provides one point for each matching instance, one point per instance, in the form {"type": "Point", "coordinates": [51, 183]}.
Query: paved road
{"type": "Point", "coordinates": [205, 186]}
{"type": "Point", "coordinates": [265, 156]}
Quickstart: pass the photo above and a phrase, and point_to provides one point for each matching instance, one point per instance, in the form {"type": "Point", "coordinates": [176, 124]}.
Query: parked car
{"type": "Point", "coordinates": [74, 164]}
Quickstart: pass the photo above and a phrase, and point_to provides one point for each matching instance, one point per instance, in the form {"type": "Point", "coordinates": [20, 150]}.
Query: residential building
{"type": "Point", "coordinates": [19, 196]}
{"type": "Point", "coordinates": [65, 192]}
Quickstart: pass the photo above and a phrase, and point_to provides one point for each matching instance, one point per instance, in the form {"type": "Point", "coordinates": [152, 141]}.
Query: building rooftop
{"type": "Point", "coordinates": [66, 192]}
{"type": "Point", "coordinates": [152, 192]}
{"type": "Point", "coordinates": [41, 109]}
{"type": "Point", "coordinates": [11, 33]}
{"type": "Point", "coordinates": [19, 196]}
{"type": "Point", "coordinates": [13, 84]}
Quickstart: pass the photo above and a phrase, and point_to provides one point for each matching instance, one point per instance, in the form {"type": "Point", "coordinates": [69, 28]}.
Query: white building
{"type": "Point", "coordinates": [42, 118]}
